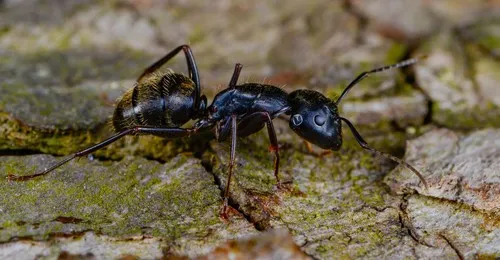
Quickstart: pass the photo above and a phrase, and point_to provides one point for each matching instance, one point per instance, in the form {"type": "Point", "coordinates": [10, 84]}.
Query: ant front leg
{"type": "Point", "coordinates": [168, 132]}
{"type": "Point", "coordinates": [274, 146]}
{"type": "Point", "coordinates": [311, 151]}
{"type": "Point", "coordinates": [253, 123]}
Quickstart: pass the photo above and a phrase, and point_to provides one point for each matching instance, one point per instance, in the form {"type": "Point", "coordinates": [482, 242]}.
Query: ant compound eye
{"type": "Point", "coordinates": [319, 120]}
{"type": "Point", "coordinates": [297, 119]}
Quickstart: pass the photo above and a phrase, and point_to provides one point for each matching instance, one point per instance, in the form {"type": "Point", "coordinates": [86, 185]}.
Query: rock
{"type": "Point", "coordinates": [461, 85]}
{"type": "Point", "coordinates": [380, 98]}
{"type": "Point", "coordinates": [76, 26]}
{"type": "Point", "coordinates": [70, 68]}
{"type": "Point", "coordinates": [416, 19]}
{"type": "Point", "coordinates": [456, 229]}
{"type": "Point", "coordinates": [457, 167]}
{"type": "Point", "coordinates": [39, 111]}
{"type": "Point", "coordinates": [62, 64]}
{"type": "Point", "coordinates": [275, 244]}
{"type": "Point", "coordinates": [403, 110]}
{"type": "Point", "coordinates": [337, 207]}
{"type": "Point", "coordinates": [172, 208]}
{"type": "Point", "coordinates": [71, 119]}
{"type": "Point", "coordinates": [87, 245]}
{"type": "Point", "coordinates": [83, 107]}
{"type": "Point", "coordinates": [485, 34]}
{"type": "Point", "coordinates": [334, 206]}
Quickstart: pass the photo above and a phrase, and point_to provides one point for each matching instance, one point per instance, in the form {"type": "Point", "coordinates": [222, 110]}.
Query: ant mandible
{"type": "Point", "coordinates": [160, 103]}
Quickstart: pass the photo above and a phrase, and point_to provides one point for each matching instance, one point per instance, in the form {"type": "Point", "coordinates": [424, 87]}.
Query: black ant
{"type": "Point", "coordinates": [160, 103]}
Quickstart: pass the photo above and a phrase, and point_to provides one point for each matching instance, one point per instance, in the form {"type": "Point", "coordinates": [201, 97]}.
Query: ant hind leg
{"type": "Point", "coordinates": [170, 132]}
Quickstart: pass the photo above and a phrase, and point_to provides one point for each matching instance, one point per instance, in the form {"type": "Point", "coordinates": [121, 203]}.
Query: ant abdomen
{"type": "Point", "coordinates": [159, 100]}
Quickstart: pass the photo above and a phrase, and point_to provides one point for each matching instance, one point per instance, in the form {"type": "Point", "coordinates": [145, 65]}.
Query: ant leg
{"type": "Point", "coordinates": [367, 73]}
{"type": "Point", "coordinates": [191, 64]}
{"type": "Point", "coordinates": [309, 147]}
{"type": "Point", "coordinates": [170, 132]}
{"type": "Point", "coordinates": [312, 152]}
{"type": "Point", "coordinates": [253, 123]}
{"type": "Point", "coordinates": [192, 69]}
{"type": "Point", "coordinates": [222, 130]}
{"type": "Point", "coordinates": [274, 140]}
{"type": "Point", "coordinates": [363, 144]}
{"type": "Point", "coordinates": [274, 147]}
{"type": "Point", "coordinates": [236, 75]}
{"type": "Point", "coordinates": [231, 164]}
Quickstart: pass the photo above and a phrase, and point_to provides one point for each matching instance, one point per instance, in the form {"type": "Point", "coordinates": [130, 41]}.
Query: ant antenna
{"type": "Point", "coordinates": [364, 144]}
{"type": "Point", "coordinates": [367, 73]}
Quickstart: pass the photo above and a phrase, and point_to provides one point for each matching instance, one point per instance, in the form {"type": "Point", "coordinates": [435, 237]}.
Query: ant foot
{"type": "Point", "coordinates": [311, 151]}
{"type": "Point", "coordinates": [12, 177]}
{"type": "Point", "coordinates": [283, 185]}
{"type": "Point", "coordinates": [273, 148]}
{"type": "Point", "coordinates": [223, 212]}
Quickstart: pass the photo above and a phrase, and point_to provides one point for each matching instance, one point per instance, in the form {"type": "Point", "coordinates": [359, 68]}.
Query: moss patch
{"type": "Point", "coordinates": [120, 199]}
{"type": "Point", "coordinates": [340, 196]}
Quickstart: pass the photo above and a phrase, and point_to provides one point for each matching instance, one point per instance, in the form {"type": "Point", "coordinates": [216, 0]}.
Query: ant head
{"type": "Point", "coordinates": [315, 118]}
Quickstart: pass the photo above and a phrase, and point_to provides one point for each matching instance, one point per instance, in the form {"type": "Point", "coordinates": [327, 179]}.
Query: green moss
{"type": "Point", "coordinates": [334, 192]}
{"type": "Point", "coordinates": [197, 35]}
{"type": "Point", "coordinates": [4, 30]}
{"type": "Point", "coordinates": [114, 202]}
{"type": "Point", "coordinates": [395, 53]}
{"type": "Point", "coordinates": [490, 41]}
{"type": "Point", "coordinates": [361, 251]}
{"type": "Point", "coordinates": [17, 135]}
{"type": "Point", "coordinates": [366, 162]}
{"type": "Point", "coordinates": [8, 224]}
{"type": "Point", "coordinates": [467, 119]}
{"type": "Point", "coordinates": [63, 39]}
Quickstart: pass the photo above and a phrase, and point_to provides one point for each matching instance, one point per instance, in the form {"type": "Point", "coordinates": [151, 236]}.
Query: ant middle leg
{"type": "Point", "coordinates": [311, 151]}
{"type": "Point", "coordinates": [169, 132]}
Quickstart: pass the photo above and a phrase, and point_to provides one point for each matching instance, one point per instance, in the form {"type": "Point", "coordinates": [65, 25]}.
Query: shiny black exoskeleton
{"type": "Point", "coordinates": [160, 103]}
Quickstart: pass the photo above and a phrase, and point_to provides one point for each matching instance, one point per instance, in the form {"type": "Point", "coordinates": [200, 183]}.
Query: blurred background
{"type": "Point", "coordinates": [319, 45]}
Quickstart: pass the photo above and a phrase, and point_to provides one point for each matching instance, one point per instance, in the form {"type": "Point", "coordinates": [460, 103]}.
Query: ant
{"type": "Point", "coordinates": [160, 103]}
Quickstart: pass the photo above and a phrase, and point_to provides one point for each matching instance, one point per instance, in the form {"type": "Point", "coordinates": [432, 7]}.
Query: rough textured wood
{"type": "Point", "coordinates": [64, 63]}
